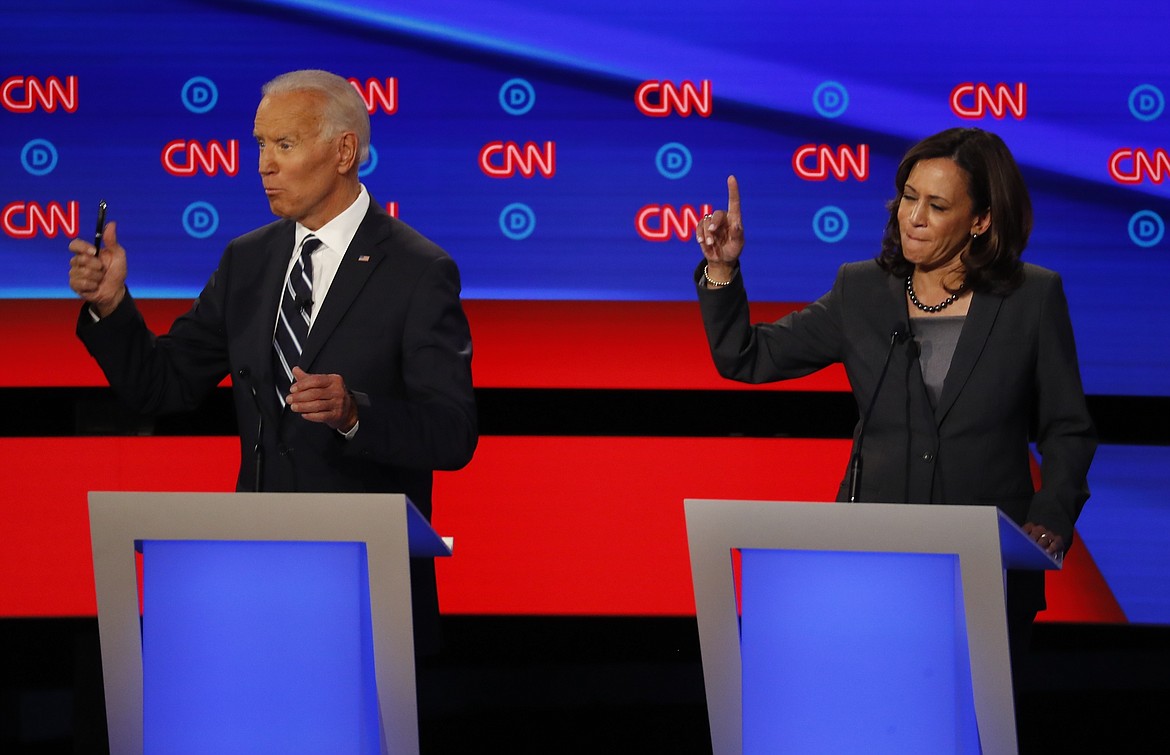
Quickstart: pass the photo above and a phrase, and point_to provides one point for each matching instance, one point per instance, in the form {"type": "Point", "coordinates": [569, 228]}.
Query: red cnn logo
{"type": "Point", "coordinates": [814, 162]}
{"type": "Point", "coordinates": [23, 220]}
{"type": "Point", "coordinates": [659, 222]}
{"type": "Point", "coordinates": [659, 99]}
{"type": "Point", "coordinates": [378, 94]}
{"type": "Point", "coordinates": [1131, 166]}
{"type": "Point", "coordinates": [22, 94]}
{"type": "Point", "coordinates": [505, 159]}
{"type": "Point", "coordinates": [977, 100]}
{"type": "Point", "coordinates": [183, 158]}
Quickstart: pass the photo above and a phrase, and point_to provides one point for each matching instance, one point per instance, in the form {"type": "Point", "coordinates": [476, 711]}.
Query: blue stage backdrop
{"type": "Point", "coordinates": [563, 149]}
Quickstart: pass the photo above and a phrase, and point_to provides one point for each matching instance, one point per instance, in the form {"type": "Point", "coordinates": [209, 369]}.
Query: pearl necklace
{"type": "Point", "coordinates": [937, 307]}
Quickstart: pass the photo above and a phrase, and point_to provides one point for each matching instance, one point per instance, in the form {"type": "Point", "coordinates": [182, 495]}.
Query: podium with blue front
{"type": "Point", "coordinates": [876, 628]}
{"type": "Point", "coordinates": [269, 622]}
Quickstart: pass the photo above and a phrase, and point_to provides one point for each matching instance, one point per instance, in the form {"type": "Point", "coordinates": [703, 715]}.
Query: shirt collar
{"type": "Point", "coordinates": [337, 233]}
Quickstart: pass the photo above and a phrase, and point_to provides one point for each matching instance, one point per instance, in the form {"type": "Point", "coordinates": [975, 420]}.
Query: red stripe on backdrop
{"type": "Point", "coordinates": [518, 344]}
{"type": "Point", "coordinates": [596, 525]}
{"type": "Point", "coordinates": [569, 526]}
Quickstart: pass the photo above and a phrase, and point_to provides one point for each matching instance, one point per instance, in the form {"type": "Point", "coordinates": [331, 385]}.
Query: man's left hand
{"type": "Point", "coordinates": [323, 398]}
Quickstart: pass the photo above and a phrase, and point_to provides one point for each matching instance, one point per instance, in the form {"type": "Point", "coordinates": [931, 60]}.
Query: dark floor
{"type": "Point", "coordinates": [569, 685]}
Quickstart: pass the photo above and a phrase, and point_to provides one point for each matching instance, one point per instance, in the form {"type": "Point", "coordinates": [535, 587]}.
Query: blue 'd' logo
{"type": "Point", "coordinates": [1146, 102]}
{"type": "Point", "coordinates": [673, 160]}
{"type": "Point", "coordinates": [371, 163]}
{"type": "Point", "coordinates": [1146, 228]}
{"type": "Point", "coordinates": [517, 221]}
{"type": "Point", "coordinates": [200, 94]}
{"type": "Point", "coordinates": [200, 219]}
{"type": "Point", "coordinates": [830, 224]}
{"type": "Point", "coordinates": [517, 96]}
{"type": "Point", "coordinates": [39, 157]}
{"type": "Point", "coordinates": [831, 99]}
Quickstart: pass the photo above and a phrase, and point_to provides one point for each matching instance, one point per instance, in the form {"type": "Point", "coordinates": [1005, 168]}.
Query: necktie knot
{"type": "Point", "coordinates": [310, 244]}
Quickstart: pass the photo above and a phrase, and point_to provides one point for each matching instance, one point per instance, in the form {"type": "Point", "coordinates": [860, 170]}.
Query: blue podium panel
{"type": "Point", "coordinates": [257, 647]}
{"type": "Point", "coordinates": [855, 652]}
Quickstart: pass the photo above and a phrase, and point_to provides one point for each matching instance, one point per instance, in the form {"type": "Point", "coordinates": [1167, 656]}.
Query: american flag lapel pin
{"type": "Point", "coordinates": [364, 258]}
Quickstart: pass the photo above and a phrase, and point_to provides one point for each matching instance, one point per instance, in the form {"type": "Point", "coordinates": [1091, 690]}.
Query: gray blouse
{"type": "Point", "coordinates": [936, 338]}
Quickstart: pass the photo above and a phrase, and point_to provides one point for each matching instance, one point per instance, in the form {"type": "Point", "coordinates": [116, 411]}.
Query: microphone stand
{"type": "Point", "coordinates": [855, 460]}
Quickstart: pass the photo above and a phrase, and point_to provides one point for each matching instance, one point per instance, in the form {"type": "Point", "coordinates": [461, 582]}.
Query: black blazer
{"type": "Point", "coordinates": [1013, 377]}
{"type": "Point", "coordinates": [392, 326]}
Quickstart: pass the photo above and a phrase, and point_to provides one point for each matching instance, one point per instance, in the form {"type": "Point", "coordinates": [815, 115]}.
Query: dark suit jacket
{"type": "Point", "coordinates": [392, 326]}
{"type": "Point", "coordinates": [1014, 376]}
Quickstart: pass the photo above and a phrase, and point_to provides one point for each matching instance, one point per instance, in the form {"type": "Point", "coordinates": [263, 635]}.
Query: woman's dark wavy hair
{"type": "Point", "coordinates": [993, 183]}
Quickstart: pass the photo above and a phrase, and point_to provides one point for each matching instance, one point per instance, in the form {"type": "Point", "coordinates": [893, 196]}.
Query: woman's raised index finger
{"type": "Point", "coordinates": [732, 196]}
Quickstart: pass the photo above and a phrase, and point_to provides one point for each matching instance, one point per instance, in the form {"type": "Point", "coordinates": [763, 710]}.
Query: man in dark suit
{"type": "Point", "coordinates": [377, 394]}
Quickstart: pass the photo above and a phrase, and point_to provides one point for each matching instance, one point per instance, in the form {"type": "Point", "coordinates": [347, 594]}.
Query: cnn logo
{"type": "Point", "coordinates": [24, 220]}
{"type": "Point", "coordinates": [1132, 166]}
{"type": "Point", "coordinates": [186, 158]}
{"type": "Point", "coordinates": [659, 99]}
{"type": "Point", "coordinates": [378, 94]}
{"type": "Point", "coordinates": [662, 222]}
{"type": "Point", "coordinates": [816, 162]}
{"type": "Point", "coordinates": [506, 159]}
{"type": "Point", "coordinates": [24, 94]}
{"type": "Point", "coordinates": [973, 101]}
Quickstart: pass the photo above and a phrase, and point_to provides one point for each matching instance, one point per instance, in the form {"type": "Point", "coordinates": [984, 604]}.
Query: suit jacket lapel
{"type": "Point", "coordinates": [357, 264]}
{"type": "Point", "coordinates": [259, 339]}
{"type": "Point", "coordinates": [980, 319]}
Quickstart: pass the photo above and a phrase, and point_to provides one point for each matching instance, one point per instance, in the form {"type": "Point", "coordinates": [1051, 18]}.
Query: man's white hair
{"type": "Point", "coordinates": [344, 108]}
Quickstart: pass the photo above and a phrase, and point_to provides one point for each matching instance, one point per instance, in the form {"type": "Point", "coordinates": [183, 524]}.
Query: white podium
{"type": "Point", "coordinates": [270, 622]}
{"type": "Point", "coordinates": [876, 628]}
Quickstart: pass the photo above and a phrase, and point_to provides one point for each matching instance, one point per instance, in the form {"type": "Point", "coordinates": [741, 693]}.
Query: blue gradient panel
{"type": "Point", "coordinates": [1129, 505]}
{"type": "Point", "coordinates": [257, 647]}
{"type": "Point", "coordinates": [855, 652]}
{"type": "Point", "coordinates": [782, 75]}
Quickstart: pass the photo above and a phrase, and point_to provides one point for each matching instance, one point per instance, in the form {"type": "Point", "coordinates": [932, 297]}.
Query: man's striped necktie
{"type": "Point", "coordinates": [292, 324]}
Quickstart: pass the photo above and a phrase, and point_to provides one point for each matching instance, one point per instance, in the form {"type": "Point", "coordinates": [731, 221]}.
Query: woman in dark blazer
{"type": "Point", "coordinates": [958, 353]}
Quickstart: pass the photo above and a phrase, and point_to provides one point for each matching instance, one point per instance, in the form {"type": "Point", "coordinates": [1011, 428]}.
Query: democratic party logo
{"type": "Point", "coordinates": [830, 224]}
{"type": "Point", "coordinates": [517, 96]}
{"type": "Point", "coordinates": [673, 160]}
{"type": "Point", "coordinates": [370, 165]}
{"type": "Point", "coordinates": [502, 159]}
{"type": "Point", "coordinates": [199, 95]}
{"type": "Point", "coordinates": [24, 220]}
{"type": "Point", "coordinates": [973, 101]}
{"type": "Point", "coordinates": [517, 221]}
{"type": "Point", "coordinates": [200, 219]}
{"type": "Point", "coordinates": [663, 222]}
{"type": "Point", "coordinates": [26, 94]}
{"type": "Point", "coordinates": [1146, 228]}
{"type": "Point", "coordinates": [1132, 165]}
{"type": "Point", "coordinates": [181, 157]}
{"type": "Point", "coordinates": [659, 99]}
{"type": "Point", "coordinates": [378, 94]}
{"type": "Point", "coordinates": [1146, 102]}
{"type": "Point", "coordinates": [831, 99]}
{"type": "Point", "coordinates": [816, 162]}
{"type": "Point", "coordinates": [39, 157]}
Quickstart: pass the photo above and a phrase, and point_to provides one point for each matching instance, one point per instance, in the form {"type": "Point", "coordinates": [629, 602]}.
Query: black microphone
{"type": "Point", "coordinates": [304, 303]}
{"type": "Point", "coordinates": [900, 334]}
{"type": "Point", "coordinates": [258, 450]}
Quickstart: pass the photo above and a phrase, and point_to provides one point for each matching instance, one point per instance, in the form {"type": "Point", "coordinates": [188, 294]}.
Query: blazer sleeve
{"type": "Point", "coordinates": [433, 425]}
{"type": "Point", "coordinates": [162, 374]}
{"type": "Point", "coordinates": [1065, 436]}
{"type": "Point", "coordinates": [798, 344]}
